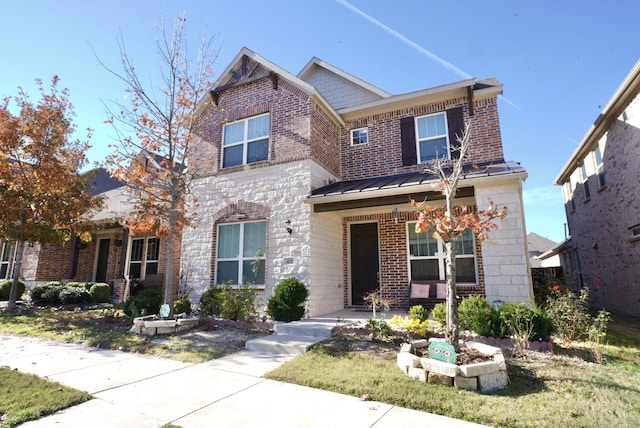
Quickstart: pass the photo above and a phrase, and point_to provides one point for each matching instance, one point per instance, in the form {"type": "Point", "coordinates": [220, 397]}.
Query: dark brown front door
{"type": "Point", "coordinates": [103, 259]}
{"type": "Point", "coordinates": [364, 261]}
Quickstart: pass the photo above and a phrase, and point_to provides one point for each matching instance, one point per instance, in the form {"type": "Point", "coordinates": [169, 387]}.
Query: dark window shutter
{"type": "Point", "coordinates": [408, 141]}
{"type": "Point", "coordinates": [455, 122]}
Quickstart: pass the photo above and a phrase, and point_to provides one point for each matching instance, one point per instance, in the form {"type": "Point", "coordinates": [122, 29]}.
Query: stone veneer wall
{"type": "Point", "coordinates": [280, 191]}
{"type": "Point", "coordinates": [507, 275]}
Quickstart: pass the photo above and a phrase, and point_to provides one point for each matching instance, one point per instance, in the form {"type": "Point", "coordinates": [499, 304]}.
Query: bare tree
{"type": "Point", "coordinates": [156, 139]}
{"type": "Point", "coordinates": [449, 222]}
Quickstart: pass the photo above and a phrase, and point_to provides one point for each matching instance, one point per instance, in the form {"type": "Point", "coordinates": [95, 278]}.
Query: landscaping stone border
{"type": "Point", "coordinates": [151, 325]}
{"type": "Point", "coordinates": [484, 377]}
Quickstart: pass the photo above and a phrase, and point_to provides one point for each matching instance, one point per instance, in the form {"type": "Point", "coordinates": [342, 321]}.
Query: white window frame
{"type": "Point", "coordinates": [584, 179]}
{"type": "Point", "coordinates": [426, 139]}
{"type": "Point", "coordinates": [245, 142]}
{"type": "Point", "coordinates": [635, 232]}
{"type": "Point", "coordinates": [143, 257]}
{"type": "Point", "coordinates": [12, 257]}
{"type": "Point", "coordinates": [240, 258]}
{"type": "Point", "coordinates": [440, 254]}
{"type": "Point", "coordinates": [599, 167]}
{"type": "Point", "coordinates": [357, 135]}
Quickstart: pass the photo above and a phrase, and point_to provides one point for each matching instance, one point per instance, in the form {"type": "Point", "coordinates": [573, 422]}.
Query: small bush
{"type": "Point", "coordinates": [570, 313]}
{"type": "Point", "coordinates": [475, 313]}
{"type": "Point", "coordinates": [413, 326]}
{"type": "Point", "coordinates": [287, 302]}
{"type": "Point", "coordinates": [211, 302]}
{"type": "Point", "coordinates": [100, 292]}
{"type": "Point", "coordinates": [379, 328]}
{"type": "Point", "coordinates": [439, 314]}
{"type": "Point", "coordinates": [76, 284]}
{"type": "Point", "coordinates": [182, 304]}
{"type": "Point", "coordinates": [71, 295]}
{"type": "Point", "coordinates": [418, 312]}
{"type": "Point", "coordinates": [47, 294]}
{"type": "Point", "coordinates": [147, 303]}
{"type": "Point", "coordinates": [5, 289]}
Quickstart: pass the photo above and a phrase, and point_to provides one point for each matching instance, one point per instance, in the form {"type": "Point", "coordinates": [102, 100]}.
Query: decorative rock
{"type": "Point", "coordinates": [421, 343]}
{"type": "Point", "coordinates": [477, 369]}
{"type": "Point", "coordinates": [499, 358]}
{"type": "Point", "coordinates": [483, 348]}
{"type": "Point", "coordinates": [406, 347]}
{"type": "Point", "coordinates": [418, 373]}
{"type": "Point", "coordinates": [439, 367]}
{"type": "Point", "coordinates": [439, 379]}
{"type": "Point", "coordinates": [442, 351]}
{"type": "Point", "coordinates": [493, 381]}
{"type": "Point", "coordinates": [467, 383]}
{"type": "Point", "coordinates": [165, 330]}
{"type": "Point", "coordinates": [406, 360]}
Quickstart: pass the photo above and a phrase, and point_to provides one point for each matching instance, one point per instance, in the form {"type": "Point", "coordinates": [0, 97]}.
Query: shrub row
{"type": "Point", "coordinates": [55, 292]}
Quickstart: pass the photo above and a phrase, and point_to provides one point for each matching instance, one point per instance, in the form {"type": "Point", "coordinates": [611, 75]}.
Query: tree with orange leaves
{"type": "Point", "coordinates": [157, 141]}
{"type": "Point", "coordinates": [44, 197]}
{"type": "Point", "coordinates": [449, 222]}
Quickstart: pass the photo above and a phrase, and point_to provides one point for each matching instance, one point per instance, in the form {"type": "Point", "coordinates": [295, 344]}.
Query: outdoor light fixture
{"type": "Point", "coordinates": [287, 226]}
{"type": "Point", "coordinates": [395, 215]}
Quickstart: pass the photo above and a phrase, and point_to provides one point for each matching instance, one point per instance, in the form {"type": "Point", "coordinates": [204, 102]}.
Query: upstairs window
{"type": "Point", "coordinates": [359, 136]}
{"type": "Point", "coordinates": [602, 176]}
{"type": "Point", "coordinates": [241, 253]}
{"type": "Point", "coordinates": [584, 177]}
{"type": "Point", "coordinates": [246, 141]}
{"type": "Point", "coordinates": [427, 257]}
{"type": "Point", "coordinates": [433, 142]}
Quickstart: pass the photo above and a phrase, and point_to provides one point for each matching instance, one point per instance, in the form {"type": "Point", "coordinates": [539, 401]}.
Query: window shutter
{"type": "Point", "coordinates": [408, 141]}
{"type": "Point", "coordinates": [455, 123]}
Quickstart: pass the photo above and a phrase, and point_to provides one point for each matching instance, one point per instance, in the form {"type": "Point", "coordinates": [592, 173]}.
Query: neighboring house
{"type": "Point", "coordinates": [602, 200]}
{"type": "Point", "coordinates": [539, 248]}
{"type": "Point", "coordinates": [312, 175]}
{"type": "Point", "coordinates": [111, 256]}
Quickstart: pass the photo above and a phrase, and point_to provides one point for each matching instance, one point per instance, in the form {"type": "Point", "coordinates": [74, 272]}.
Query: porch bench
{"type": "Point", "coordinates": [427, 293]}
{"type": "Point", "coordinates": [153, 281]}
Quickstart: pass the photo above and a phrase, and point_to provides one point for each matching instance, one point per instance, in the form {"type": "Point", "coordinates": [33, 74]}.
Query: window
{"type": "Point", "coordinates": [602, 176]}
{"type": "Point", "coordinates": [359, 136]}
{"type": "Point", "coordinates": [635, 231]}
{"type": "Point", "coordinates": [584, 177]}
{"type": "Point", "coordinates": [427, 256]}
{"type": "Point", "coordinates": [241, 253]}
{"type": "Point", "coordinates": [246, 141]}
{"type": "Point", "coordinates": [5, 259]}
{"type": "Point", "coordinates": [433, 142]}
{"type": "Point", "coordinates": [150, 248]}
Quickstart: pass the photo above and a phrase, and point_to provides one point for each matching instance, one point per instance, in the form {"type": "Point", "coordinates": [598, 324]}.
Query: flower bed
{"type": "Point", "coordinates": [152, 325]}
{"type": "Point", "coordinates": [484, 376]}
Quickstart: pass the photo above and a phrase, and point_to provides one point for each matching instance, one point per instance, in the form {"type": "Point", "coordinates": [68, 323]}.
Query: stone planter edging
{"type": "Point", "coordinates": [484, 377]}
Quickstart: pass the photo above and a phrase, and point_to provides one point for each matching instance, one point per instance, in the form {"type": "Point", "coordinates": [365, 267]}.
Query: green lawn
{"type": "Point", "coordinates": [24, 397]}
{"type": "Point", "coordinates": [564, 389]}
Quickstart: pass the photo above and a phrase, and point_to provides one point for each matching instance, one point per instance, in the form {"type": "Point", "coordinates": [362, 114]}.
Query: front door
{"type": "Point", "coordinates": [364, 261]}
{"type": "Point", "coordinates": [103, 259]}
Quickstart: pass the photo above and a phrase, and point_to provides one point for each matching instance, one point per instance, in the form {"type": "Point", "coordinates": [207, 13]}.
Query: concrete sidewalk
{"type": "Point", "coordinates": [133, 390]}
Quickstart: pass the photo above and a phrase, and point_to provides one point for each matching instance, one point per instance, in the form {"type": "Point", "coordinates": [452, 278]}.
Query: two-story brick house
{"type": "Point", "coordinates": [312, 177]}
{"type": "Point", "coordinates": [602, 200]}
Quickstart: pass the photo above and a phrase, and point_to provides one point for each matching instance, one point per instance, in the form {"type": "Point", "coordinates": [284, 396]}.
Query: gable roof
{"type": "Point", "coordinates": [626, 92]}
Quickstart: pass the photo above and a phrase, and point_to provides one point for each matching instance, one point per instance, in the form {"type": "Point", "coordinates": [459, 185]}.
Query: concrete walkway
{"type": "Point", "coordinates": [133, 390]}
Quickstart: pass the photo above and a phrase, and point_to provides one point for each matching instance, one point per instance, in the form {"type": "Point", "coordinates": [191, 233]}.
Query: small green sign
{"type": "Point", "coordinates": [164, 311]}
{"type": "Point", "coordinates": [442, 351]}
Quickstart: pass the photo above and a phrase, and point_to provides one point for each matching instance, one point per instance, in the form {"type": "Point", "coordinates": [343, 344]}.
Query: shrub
{"type": "Point", "coordinates": [147, 303]}
{"type": "Point", "coordinates": [85, 285]}
{"type": "Point", "coordinates": [418, 312]}
{"type": "Point", "coordinates": [5, 289]}
{"type": "Point", "coordinates": [475, 313]}
{"type": "Point", "coordinates": [70, 295]}
{"type": "Point", "coordinates": [100, 292]}
{"type": "Point", "coordinates": [182, 304]}
{"type": "Point", "coordinates": [412, 325]}
{"type": "Point", "coordinates": [211, 302]}
{"type": "Point", "coordinates": [237, 304]}
{"type": "Point", "coordinates": [439, 314]}
{"type": "Point", "coordinates": [47, 294]}
{"type": "Point", "coordinates": [287, 302]}
{"type": "Point", "coordinates": [543, 324]}
{"type": "Point", "coordinates": [379, 328]}
{"type": "Point", "coordinates": [570, 313]}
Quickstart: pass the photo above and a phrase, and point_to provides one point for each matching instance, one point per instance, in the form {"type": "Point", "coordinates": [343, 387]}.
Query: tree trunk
{"type": "Point", "coordinates": [17, 266]}
{"type": "Point", "coordinates": [451, 333]}
{"type": "Point", "coordinates": [169, 269]}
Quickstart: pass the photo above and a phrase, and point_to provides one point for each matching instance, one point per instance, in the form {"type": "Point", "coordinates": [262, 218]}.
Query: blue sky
{"type": "Point", "coordinates": [560, 61]}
